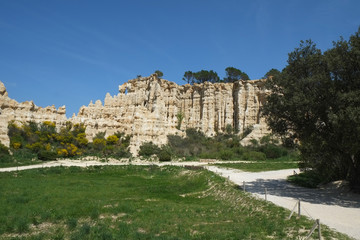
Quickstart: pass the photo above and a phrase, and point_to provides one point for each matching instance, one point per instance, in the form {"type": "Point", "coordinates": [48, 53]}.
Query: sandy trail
{"type": "Point", "coordinates": [338, 210]}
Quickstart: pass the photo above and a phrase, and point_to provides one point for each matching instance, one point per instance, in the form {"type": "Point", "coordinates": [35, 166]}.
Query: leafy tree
{"type": "Point", "coordinates": [272, 73]}
{"type": "Point", "coordinates": [244, 76]}
{"type": "Point", "coordinates": [159, 73]}
{"type": "Point", "coordinates": [189, 77]}
{"type": "Point", "coordinates": [206, 76]}
{"type": "Point", "coordinates": [234, 74]}
{"type": "Point", "coordinates": [316, 100]}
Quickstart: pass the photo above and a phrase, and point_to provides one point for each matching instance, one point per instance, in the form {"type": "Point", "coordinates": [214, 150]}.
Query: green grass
{"type": "Point", "coordinates": [19, 158]}
{"type": "Point", "coordinates": [309, 179]}
{"type": "Point", "coordinates": [137, 202]}
{"type": "Point", "coordinates": [260, 166]}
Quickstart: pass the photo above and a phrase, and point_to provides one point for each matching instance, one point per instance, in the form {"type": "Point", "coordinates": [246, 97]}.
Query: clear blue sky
{"type": "Point", "coordinates": [69, 52]}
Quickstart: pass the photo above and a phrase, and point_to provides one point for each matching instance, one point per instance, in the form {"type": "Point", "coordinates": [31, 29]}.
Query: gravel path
{"type": "Point", "coordinates": [338, 210]}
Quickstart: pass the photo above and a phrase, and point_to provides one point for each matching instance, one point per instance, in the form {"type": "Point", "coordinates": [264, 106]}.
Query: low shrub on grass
{"type": "Point", "coordinates": [164, 154]}
{"type": "Point", "coordinates": [309, 179]}
{"type": "Point", "coordinates": [3, 150]}
{"type": "Point", "coordinates": [148, 149]}
{"type": "Point", "coordinates": [225, 154]}
{"type": "Point", "coordinates": [273, 151]}
{"type": "Point", "coordinates": [46, 155]}
{"type": "Point", "coordinates": [254, 156]}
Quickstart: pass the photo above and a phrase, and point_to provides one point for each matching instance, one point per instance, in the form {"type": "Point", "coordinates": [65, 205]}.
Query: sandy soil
{"type": "Point", "coordinates": [337, 209]}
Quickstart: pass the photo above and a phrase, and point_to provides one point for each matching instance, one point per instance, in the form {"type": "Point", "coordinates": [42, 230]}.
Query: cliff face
{"type": "Point", "coordinates": [147, 108]}
{"type": "Point", "coordinates": [25, 112]}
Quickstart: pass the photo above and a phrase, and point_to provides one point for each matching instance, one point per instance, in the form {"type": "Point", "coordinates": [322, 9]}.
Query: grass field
{"type": "Point", "coordinates": [137, 202]}
{"type": "Point", "coordinates": [259, 166]}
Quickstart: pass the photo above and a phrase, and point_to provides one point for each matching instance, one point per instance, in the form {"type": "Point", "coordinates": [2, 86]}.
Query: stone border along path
{"type": "Point", "coordinates": [335, 208]}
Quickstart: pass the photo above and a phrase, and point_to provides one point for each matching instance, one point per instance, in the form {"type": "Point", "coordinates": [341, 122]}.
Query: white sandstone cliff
{"type": "Point", "coordinates": [25, 112]}
{"type": "Point", "coordinates": [147, 108]}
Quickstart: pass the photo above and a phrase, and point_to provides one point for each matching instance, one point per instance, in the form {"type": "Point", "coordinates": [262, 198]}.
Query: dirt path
{"type": "Point", "coordinates": [338, 210]}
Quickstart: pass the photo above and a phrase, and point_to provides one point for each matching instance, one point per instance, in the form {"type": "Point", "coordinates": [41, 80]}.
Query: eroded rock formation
{"type": "Point", "coordinates": [25, 112]}
{"type": "Point", "coordinates": [147, 108]}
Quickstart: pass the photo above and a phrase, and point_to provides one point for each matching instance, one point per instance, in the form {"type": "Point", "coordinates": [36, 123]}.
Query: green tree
{"type": "Point", "coordinates": [272, 73]}
{"type": "Point", "coordinates": [189, 77]}
{"type": "Point", "coordinates": [316, 100]}
{"type": "Point", "coordinates": [159, 73]}
{"type": "Point", "coordinates": [206, 76]}
{"type": "Point", "coordinates": [234, 74]}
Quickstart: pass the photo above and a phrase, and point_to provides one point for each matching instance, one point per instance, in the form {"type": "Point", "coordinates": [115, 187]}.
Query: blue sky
{"type": "Point", "coordinates": [69, 52]}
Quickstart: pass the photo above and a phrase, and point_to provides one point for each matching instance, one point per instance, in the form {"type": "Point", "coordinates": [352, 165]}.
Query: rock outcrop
{"type": "Point", "coordinates": [148, 108]}
{"type": "Point", "coordinates": [25, 112]}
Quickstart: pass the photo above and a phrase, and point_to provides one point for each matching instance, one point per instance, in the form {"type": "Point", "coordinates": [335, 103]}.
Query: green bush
{"type": "Point", "coordinates": [148, 149]}
{"type": "Point", "coordinates": [273, 151]}
{"type": "Point", "coordinates": [225, 154]}
{"type": "Point", "coordinates": [46, 155]}
{"type": "Point", "coordinates": [254, 156]}
{"type": "Point", "coordinates": [164, 154]}
{"type": "Point", "coordinates": [24, 155]}
{"type": "Point", "coordinates": [120, 152]}
{"type": "Point", "coordinates": [3, 150]}
{"type": "Point", "coordinates": [309, 179]}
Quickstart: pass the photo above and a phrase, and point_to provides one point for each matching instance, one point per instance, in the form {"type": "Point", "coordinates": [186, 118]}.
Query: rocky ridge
{"type": "Point", "coordinates": [11, 110]}
{"type": "Point", "coordinates": [148, 108]}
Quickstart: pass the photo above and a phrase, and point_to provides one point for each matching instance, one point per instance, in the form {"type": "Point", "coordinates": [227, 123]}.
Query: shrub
{"type": "Point", "coordinates": [310, 179]}
{"type": "Point", "coordinates": [228, 129]}
{"type": "Point", "coordinates": [4, 150]}
{"type": "Point", "coordinates": [46, 155]}
{"type": "Point", "coordinates": [62, 152]}
{"type": "Point", "coordinates": [180, 117]}
{"type": "Point", "coordinates": [99, 144]}
{"type": "Point", "coordinates": [81, 139]}
{"type": "Point", "coordinates": [164, 154]}
{"type": "Point", "coordinates": [112, 140]}
{"type": "Point", "coordinates": [35, 147]}
{"type": "Point", "coordinates": [273, 151]}
{"type": "Point", "coordinates": [24, 155]}
{"type": "Point", "coordinates": [148, 149]}
{"type": "Point", "coordinates": [16, 145]}
{"type": "Point", "coordinates": [225, 154]}
{"type": "Point", "coordinates": [120, 152]}
{"type": "Point", "coordinates": [254, 156]}
{"type": "Point", "coordinates": [247, 131]}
